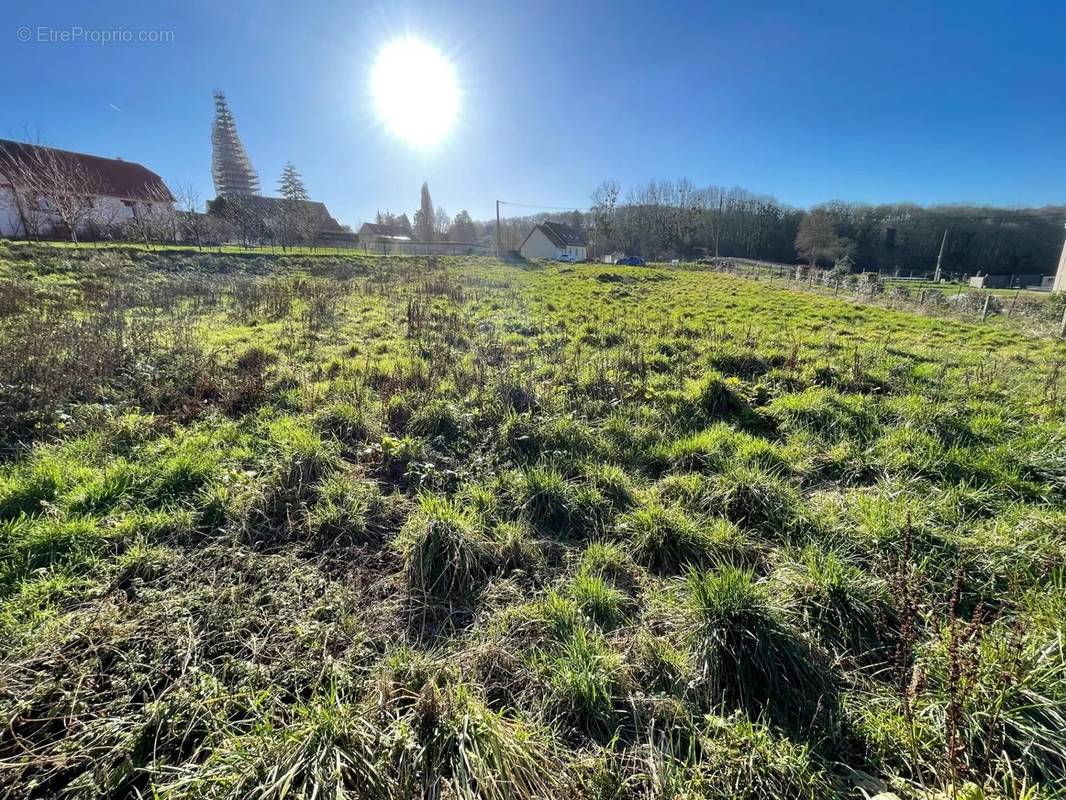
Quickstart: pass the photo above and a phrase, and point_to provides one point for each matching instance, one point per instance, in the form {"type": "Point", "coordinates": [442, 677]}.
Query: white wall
{"type": "Point", "coordinates": [1060, 275]}
{"type": "Point", "coordinates": [539, 246]}
{"type": "Point", "coordinates": [107, 211]}
{"type": "Point", "coordinates": [10, 224]}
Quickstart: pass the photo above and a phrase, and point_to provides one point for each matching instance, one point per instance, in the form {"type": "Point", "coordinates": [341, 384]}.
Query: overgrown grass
{"type": "Point", "coordinates": [342, 526]}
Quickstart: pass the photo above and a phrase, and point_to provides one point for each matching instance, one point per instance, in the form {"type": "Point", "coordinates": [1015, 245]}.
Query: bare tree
{"type": "Point", "coordinates": [192, 224]}
{"type": "Point", "coordinates": [242, 215]}
{"type": "Point", "coordinates": [441, 223]}
{"type": "Point", "coordinates": [604, 200]}
{"type": "Point", "coordinates": [153, 218]}
{"type": "Point", "coordinates": [56, 187]}
{"type": "Point", "coordinates": [29, 212]}
{"type": "Point", "coordinates": [817, 237]}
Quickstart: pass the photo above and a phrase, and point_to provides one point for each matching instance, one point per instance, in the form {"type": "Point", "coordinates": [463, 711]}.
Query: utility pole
{"type": "Point", "coordinates": [1060, 274]}
{"type": "Point", "coordinates": [497, 229]}
{"type": "Point", "coordinates": [940, 257]}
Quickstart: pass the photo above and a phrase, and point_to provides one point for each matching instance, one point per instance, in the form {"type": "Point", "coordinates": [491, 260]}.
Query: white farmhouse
{"type": "Point", "coordinates": [112, 190]}
{"type": "Point", "coordinates": [554, 240]}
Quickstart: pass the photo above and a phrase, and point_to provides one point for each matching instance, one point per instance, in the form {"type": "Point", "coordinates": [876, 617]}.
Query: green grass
{"type": "Point", "coordinates": [323, 525]}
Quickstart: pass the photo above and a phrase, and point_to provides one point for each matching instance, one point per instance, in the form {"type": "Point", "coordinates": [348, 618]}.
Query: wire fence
{"type": "Point", "coordinates": [1038, 312]}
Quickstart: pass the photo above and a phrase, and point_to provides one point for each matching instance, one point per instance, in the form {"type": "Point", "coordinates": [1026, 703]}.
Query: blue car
{"type": "Point", "coordinates": [631, 261]}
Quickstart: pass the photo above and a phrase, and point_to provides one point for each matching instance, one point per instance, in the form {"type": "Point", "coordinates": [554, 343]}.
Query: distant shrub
{"type": "Point", "coordinates": [899, 293]}
{"type": "Point", "coordinates": [974, 303]}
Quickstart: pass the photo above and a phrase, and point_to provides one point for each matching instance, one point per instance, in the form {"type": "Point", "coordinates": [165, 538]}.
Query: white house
{"type": "Point", "coordinates": [554, 240]}
{"type": "Point", "coordinates": [113, 190]}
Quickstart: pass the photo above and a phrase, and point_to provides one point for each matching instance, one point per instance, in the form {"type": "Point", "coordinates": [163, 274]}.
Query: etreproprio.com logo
{"type": "Point", "coordinates": [76, 34]}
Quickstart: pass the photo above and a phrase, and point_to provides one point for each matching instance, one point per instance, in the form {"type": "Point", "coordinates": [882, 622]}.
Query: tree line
{"type": "Point", "coordinates": [677, 219]}
{"type": "Point", "coordinates": [432, 223]}
{"type": "Point", "coordinates": [656, 220]}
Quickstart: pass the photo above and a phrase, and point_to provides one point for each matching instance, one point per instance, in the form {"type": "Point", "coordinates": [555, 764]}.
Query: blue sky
{"type": "Point", "coordinates": [927, 102]}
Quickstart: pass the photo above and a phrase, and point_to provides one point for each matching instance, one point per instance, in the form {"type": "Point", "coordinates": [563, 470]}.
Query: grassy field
{"type": "Point", "coordinates": [335, 527]}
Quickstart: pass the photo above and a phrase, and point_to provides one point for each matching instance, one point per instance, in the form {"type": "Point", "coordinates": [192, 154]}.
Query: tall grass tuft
{"type": "Point", "coordinates": [745, 654]}
{"type": "Point", "coordinates": [847, 608]}
{"type": "Point", "coordinates": [446, 556]}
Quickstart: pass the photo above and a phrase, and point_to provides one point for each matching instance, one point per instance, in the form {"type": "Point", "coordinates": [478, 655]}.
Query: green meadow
{"type": "Point", "coordinates": [323, 526]}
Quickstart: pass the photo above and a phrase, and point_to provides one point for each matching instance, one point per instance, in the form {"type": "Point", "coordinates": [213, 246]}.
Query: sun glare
{"type": "Point", "coordinates": [415, 91]}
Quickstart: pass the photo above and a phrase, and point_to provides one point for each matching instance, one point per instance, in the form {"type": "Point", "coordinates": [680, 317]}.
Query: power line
{"type": "Point", "coordinates": [545, 208]}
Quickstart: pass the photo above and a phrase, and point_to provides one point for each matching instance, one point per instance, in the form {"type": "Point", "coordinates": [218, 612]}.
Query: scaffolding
{"type": "Point", "coordinates": [231, 168]}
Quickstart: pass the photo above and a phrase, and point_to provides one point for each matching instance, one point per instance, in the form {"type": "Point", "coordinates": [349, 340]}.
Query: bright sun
{"type": "Point", "coordinates": [415, 91]}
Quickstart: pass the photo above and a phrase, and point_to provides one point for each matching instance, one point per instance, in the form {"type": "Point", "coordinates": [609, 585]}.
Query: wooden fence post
{"type": "Point", "coordinates": [1010, 313]}
{"type": "Point", "coordinates": [984, 311]}
{"type": "Point", "coordinates": [1062, 325]}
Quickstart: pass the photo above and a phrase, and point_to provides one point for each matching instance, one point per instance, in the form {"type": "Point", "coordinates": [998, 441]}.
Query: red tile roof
{"type": "Point", "coordinates": [112, 177]}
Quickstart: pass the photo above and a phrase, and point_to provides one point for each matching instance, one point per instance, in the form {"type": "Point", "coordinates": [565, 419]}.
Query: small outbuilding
{"type": "Point", "coordinates": [380, 233]}
{"type": "Point", "coordinates": [555, 240]}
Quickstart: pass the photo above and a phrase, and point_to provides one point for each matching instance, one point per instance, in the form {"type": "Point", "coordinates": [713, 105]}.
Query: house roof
{"type": "Point", "coordinates": [321, 215]}
{"type": "Point", "coordinates": [388, 231]}
{"type": "Point", "coordinates": [559, 234]}
{"type": "Point", "coordinates": [110, 177]}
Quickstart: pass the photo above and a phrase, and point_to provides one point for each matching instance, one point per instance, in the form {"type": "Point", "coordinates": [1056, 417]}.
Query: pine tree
{"type": "Point", "coordinates": [463, 228]}
{"type": "Point", "coordinates": [296, 219]}
{"type": "Point", "coordinates": [291, 185]}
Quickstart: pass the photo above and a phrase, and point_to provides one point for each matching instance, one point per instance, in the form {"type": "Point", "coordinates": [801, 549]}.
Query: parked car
{"type": "Point", "coordinates": [631, 261]}
{"type": "Point", "coordinates": [569, 259]}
